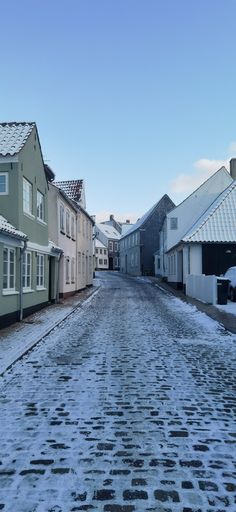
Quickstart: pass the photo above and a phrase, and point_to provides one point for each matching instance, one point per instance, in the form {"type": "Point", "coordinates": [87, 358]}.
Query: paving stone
{"type": "Point", "coordinates": [135, 495]}
{"type": "Point", "coordinates": [164, 496]}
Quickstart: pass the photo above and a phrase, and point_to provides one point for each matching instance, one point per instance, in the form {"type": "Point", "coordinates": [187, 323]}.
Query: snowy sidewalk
{"type": "Point", "coordinates": [16, 340]}
{"type": "Point", "coordinates": [225, 315]}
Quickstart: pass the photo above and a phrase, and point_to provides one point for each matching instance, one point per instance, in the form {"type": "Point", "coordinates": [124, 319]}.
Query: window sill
{"type": "Point", "coordinates": [10, 292]}
{"type": "Point", "coordinates": [28, 290]}
{"type": "Point", "coordinates": [29, 215]}
{"type": "Point", "coordinates": [41, 221]}
{"type": "Point", "coordinates": [40, 288]}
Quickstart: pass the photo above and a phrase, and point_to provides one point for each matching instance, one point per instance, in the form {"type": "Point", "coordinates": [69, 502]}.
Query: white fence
{"type": "Point", "coordinates": [202, 287]}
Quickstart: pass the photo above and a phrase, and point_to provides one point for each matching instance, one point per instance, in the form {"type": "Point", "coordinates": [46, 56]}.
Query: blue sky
{"type": "Point", "coordinates": [135, 96]}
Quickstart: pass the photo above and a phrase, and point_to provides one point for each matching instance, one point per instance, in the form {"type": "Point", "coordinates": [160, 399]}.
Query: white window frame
{"type": "Point", "coordinates": [110, 245]}
{"type": "Point", "coordinates": [27, 271]}
{"type": "Point", "coordinates": [72, 227]}
{"type": "Point", "coordinates": [10, 276]}
{"type": "Point", "coordinates": [62, 218]}
{"type": "Point", "coordinates": [40, 271]}
{"type": "Point", "coordinates": [67, 223]}
{"type": "Point", "coordinates": [5, 193]}
{"type": "Point", "coordinates": [73, 270]}
{"type": "Point", "coordinates": [40, 206]}
{"type": "Point", "coordinates": [27, 200]}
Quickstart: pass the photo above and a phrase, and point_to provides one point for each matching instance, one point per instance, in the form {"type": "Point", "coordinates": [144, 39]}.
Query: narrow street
{"type": "Point", "coordinates": [129, 405]}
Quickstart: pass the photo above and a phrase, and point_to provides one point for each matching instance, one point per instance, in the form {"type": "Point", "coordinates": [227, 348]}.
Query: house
{"type": "Point", "coordinates": [71, 228]}
{"type": "Point", "coordinates": [109, 236]}
{"type": "Point", "coordinates": [141, 241]}
{"type": "Point", "coordinates": [101, 255]}
{"type": "Point", "coordinates": [180, 255]}
{"type": "Point", "coordinates": [24, 204]}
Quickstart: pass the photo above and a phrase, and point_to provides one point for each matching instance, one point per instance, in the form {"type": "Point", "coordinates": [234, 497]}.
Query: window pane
{"type": "Point", "coordinates": [3, 184]}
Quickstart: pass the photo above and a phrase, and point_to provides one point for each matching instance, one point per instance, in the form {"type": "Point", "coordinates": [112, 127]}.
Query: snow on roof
{"type": "Point", "coordinates": [7, 228]}
{"type": "Point", "coordinates": [13, 137]}
{"type": "Point", "coordinates": [125, 228]}
{"type": "Point", "coordinates": [72, 188]}
{"type": "Point", "coordinates": [109, 231]}
{"type": "Point", "coordinates": [218, 222]}
{"type": "Point", "coordinates": [99, 244]}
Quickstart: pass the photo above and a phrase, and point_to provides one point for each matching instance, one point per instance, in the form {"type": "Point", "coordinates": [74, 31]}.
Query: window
{"type": "Point", "coordinates": [73, 227]}
{"type": "Point", "coordinates": [105, 251]}
{"type": "Point", "coordinates": [67, 222]}
{"type": "Point", "coordinates": [173, 223]}
{"type": "Point", "coordinates": [110, 246]}
{"type": "Point", "coordinates": [67, 270]}
{"type": "Point", "coordinates": [8, 269]}
{"type": "Point", "coordinates": [105, 262]}
{"type": "Point", "coordinates": [40, 271]}
{"type": "Point", "coordinates": [40, 206]}
{"type": "Point", "coordinates": [3, 183]}
{"type": "Point", "coordinates": [62, 225]}
{"type": "Point", "coordinates": [27, 197]}
{"type": "Point", "coordinates": [100, 251]}
{"type": "Point", "coordinates": [27, 270]}
{"type": "Point", "coordinates": [115, 246]}
{"type": "Point", "coordinates": [100, 262]}
{"type": "Point", "coordinates": [73, 270]}
{"type": "Point", "coordinates": [79, 262]}
{"type": "Point", "coordinates": [96, 250]}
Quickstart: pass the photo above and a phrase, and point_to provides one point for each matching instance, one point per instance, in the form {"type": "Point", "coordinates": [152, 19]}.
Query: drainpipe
{"type": "Point", "coordinates": [22, 252]}
{"type": "Point", "coordinates": [58, 277]}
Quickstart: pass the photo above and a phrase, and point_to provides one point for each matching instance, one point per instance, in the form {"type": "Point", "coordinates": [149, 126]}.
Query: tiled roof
{"type": "Point", "coordinates": [72, 188]}
{"type": "Point", "coordinates": [13, 137]}
{"type": "Point", "coordinates": [218, 223]}
{"type": "Point", "coordinates": [7, 228]}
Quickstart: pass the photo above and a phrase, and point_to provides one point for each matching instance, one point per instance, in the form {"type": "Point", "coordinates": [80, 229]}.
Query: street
{"type": "Point", "coordinates": [128, 405]}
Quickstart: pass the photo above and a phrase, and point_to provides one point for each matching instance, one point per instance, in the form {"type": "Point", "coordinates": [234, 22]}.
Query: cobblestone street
{"type": "Point", "coordinates": [129, 405]}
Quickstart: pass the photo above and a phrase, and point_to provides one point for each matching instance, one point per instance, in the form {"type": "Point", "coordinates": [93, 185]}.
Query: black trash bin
{"type": "Point", "coordinates": [222, 290]}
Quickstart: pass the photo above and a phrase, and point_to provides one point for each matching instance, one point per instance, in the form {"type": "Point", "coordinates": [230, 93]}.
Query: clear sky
{"type": "Point", "coordinates": [137, 97]}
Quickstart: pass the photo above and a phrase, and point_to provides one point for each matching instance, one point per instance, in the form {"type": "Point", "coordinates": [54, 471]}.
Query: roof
{"type": "Point", "coordinates": [72, 188]}
{"type": "Point", "coordinates": [8, 229]}
{"type": "Point", "coordinates": [218, 222]}
{"type": "Point", "coordinates": [13, 137]}
{"type": "Point", "coordinates": [140, 222]}
{"type": "Point", "coordinates": [109, 231]}
{"type": "Point", "coordinates": [99, 244]}
{"type": "Point", "coordinates": [125, 228]}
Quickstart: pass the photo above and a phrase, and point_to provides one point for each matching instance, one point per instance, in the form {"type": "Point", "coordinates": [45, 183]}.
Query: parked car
{"type": "Point", "coordinates": [231, 275]}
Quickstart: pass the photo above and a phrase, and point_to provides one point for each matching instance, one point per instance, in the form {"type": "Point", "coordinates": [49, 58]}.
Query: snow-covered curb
{"type": "Point", "coordinates": [17, 354]}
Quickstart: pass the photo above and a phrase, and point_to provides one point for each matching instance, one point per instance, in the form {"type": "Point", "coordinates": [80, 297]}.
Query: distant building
{"type": "Point", "coordinates": [101, 256]}
{"type": "Point", "coordinates": [109, 236]}
{"type": "Point", "coordinates": [141, 241]}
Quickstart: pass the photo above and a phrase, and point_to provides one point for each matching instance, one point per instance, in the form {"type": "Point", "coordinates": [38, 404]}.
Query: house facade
{"type": "Point", "coordinates": [178, 257]}
{"type": "Point", "coordinates": [141, 241]}
{"type": "Point", "coordinates": [71, 228]}
{"type": "Point", "coordinates": [24, 204]}
{"type": "Point", "coordinates": [110, 237]}
{"type": "Point", "coordinates": [101, 256]}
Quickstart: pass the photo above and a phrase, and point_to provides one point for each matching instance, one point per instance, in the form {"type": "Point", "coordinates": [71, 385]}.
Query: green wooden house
{"type": "Point", "coordinates": [28, 270]}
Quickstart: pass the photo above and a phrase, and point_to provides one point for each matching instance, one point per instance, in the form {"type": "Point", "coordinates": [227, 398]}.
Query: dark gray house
{"type": "Point", "coordinates": [141, 241]}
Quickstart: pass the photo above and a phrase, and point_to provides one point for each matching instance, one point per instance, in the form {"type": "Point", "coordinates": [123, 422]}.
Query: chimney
{"type": "Point", "coordinates": [232, 166]}
{"type": "Point", "coordinates": [127, 221]}
{"type": "Point", "coordinates": [111, 217]}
